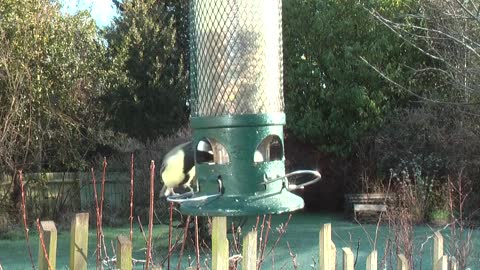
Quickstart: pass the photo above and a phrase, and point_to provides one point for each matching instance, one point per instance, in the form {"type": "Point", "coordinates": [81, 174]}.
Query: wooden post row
{"type": "Point", "coordinates": [327, 252]}
{"type": "Point", "coordinates": [49, 232]}
{"type": "Point", "coordinates": [79, 242]}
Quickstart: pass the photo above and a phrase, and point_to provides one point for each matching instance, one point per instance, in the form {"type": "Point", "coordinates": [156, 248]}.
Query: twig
{"type": "Point", "coordinates": [97, 212]}
{"type": "Point", "coordinates": [293, 256]}
{"type": "Point", "coordinates": [102, 194]}
{"type": "Point", "coordinates": [141, 230]}
{"type": "Point", "coordinates": [131, 197]}
{"type": "Point", "coordinates": [24, 216]}
{"type": "Point", "coordinates": [104, 247]}
{"type": "Point", "coordinates": [205, 262]}
{"type": "Point", "coordinates": [102, 197]}
{"type": "Point", "coordinates": [150, 216]}
{"type": "Point", "coordinates": [282, 229]}
{"type": "Point", "coordinates": [261, 241]}
{"type": "Point", "coordinates": [170, 251]}
{"type": "Point", "coordinates": [113, 249]}
{"type": "Point", "coordinates": [236, 245]}
{"type": "Point", "coordinates": [42, 243]}
{"type": "Point", "coordinates": [170, 235]}
{"type": "Point", "coordinates": [263, 245]}
{"type": "Point", "coordinates": [314, 263]}
{"type": "Point", "coordinates": [197, 247]}
{"type": "Point", "coordinates": [185, 233]}
{"type": "Point", "coordinates": [356, 253]}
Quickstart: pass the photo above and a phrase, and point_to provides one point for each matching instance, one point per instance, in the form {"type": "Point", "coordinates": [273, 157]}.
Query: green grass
{"type": "Point", "coordinates": [302, 235]}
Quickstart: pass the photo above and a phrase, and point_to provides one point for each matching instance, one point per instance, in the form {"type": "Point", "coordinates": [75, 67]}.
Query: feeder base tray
{"type": "Point", "coordinates": [273, 203]}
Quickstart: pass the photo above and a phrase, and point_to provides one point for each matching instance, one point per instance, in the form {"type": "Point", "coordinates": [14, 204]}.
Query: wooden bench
{"type": "Point", "coordinates": [368, 208]}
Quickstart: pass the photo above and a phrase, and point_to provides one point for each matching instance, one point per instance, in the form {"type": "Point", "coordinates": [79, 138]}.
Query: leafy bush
{"type": "Point", "coordinates": [332, 96]}
{"type": "Point", "coordinates": [431, 143]}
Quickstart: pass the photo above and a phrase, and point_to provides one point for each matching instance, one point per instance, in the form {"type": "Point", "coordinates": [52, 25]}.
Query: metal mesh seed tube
{"type": "Point", "coordinates": [236, 57]}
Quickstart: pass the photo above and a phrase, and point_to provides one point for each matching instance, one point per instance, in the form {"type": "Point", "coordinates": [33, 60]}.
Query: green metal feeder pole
{"type": "Point", "coordinates": [238, 109]}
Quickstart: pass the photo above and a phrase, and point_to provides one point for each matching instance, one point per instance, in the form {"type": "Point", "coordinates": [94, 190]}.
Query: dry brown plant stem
{"type": "Point", "coordinates": [235, 236]}
{"type": "Point", "coordinates": [150, 216]}
{"type": "Point", "coordinates": [460, 229]}
{"type": "Point", "coordinates": [102, 197]}
{"type": "Point", "coordinates": [142, 230]}
{"type": "Point", "coordinates": [102, 194]}
{"type": "Point", "coordinates": [282, 230]}
{"type": "Point", "coordinates": [131, 196]}
{"type": "Point", "coordinates": [293, 256]}
{"type": "Point", "coordinates": [170, 226]}
{"type": "Point", "coordinates": [197, 246]}
{"type": "Point", "coordinates": [97, 212]}
{"type": "Point", "coordinates": [24, 217]}
{"type": "Point", "coordinates": [42, 243]}
{"type": "Point", "coordinates": [263, 242]}
{"type": "Point", "coordinates": [185, 234]}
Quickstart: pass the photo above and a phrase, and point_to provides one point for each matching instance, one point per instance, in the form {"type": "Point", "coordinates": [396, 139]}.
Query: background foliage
{"type": "Point", "coordinates": [373, 85]}
{"type": "Point", "coordinates": [332, 96]}
{"type": "Point", "coordinates": [147, 82]}
{"type": "Point", "coordinates": [51, 70]}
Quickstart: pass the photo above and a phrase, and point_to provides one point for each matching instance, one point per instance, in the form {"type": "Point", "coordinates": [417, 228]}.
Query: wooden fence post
{"type": "Point", "coordinates": [348, 259]}
{"type": "Point", "coordinates": [437, 251]}
{"type": "Point", "coordinates": [453, 263]}
{"type": "Point", "coordinates": [50, 240]}
{"type": "Point", "coordinates": [402, 262]}
{"type": "Point", "coordinates": [333, 252]}
{"type": "Point", "coordinates": [443, 265]}
{"type": "Point", "coordinates": [124, 253]}
{"type": "Point", "coordinates": [372, 261]}
{"type": "Point", "coordinates": [79, 242]}
{"type": "Point", "coordinates": [219, 243]}
{"type": "Point", "coordinates": [249, 251]}
{"type": "Point", "coordinates": [326, 258]}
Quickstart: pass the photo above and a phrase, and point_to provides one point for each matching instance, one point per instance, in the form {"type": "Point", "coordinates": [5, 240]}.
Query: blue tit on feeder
{"type": "Point", "coordinates": [178, 167]}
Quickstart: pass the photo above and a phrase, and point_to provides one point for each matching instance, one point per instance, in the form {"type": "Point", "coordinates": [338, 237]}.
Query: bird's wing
{"type": "Point", "coordinates": [187, 147]}
{"type": "Point", "coordinates": [189, 163]}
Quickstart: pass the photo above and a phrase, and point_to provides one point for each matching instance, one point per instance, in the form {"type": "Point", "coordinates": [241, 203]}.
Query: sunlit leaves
{"type": "Point", "coordinates": [53, 71]}
{"type": "Point", "coordinates": [332, 96]}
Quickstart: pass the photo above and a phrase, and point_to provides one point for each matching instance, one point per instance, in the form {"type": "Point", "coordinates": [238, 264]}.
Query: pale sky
{"type": "Point", "coordinates": [102, 10]}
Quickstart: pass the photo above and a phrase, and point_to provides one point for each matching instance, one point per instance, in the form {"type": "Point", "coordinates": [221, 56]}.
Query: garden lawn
{"type": "Point", "coordinates": [302, 235]}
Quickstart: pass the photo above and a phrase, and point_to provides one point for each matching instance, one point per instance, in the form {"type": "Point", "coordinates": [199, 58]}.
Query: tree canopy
{"type": "Point", "coordinates": [333, 95]}
{"type": "Point", "coordinates": [147, 82]}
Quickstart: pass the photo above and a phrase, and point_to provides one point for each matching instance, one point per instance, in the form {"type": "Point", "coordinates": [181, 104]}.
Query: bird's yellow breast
{"type": "Point", "coordinates": [173, 174]}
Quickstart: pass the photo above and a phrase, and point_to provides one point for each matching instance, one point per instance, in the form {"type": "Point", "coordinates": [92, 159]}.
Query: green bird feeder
{"type": "Point", "coordinates": [238, 110]}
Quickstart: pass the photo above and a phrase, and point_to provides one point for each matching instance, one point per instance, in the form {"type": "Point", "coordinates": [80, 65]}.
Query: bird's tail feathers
{"type": "Point", "coordinates": [164, 192]}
